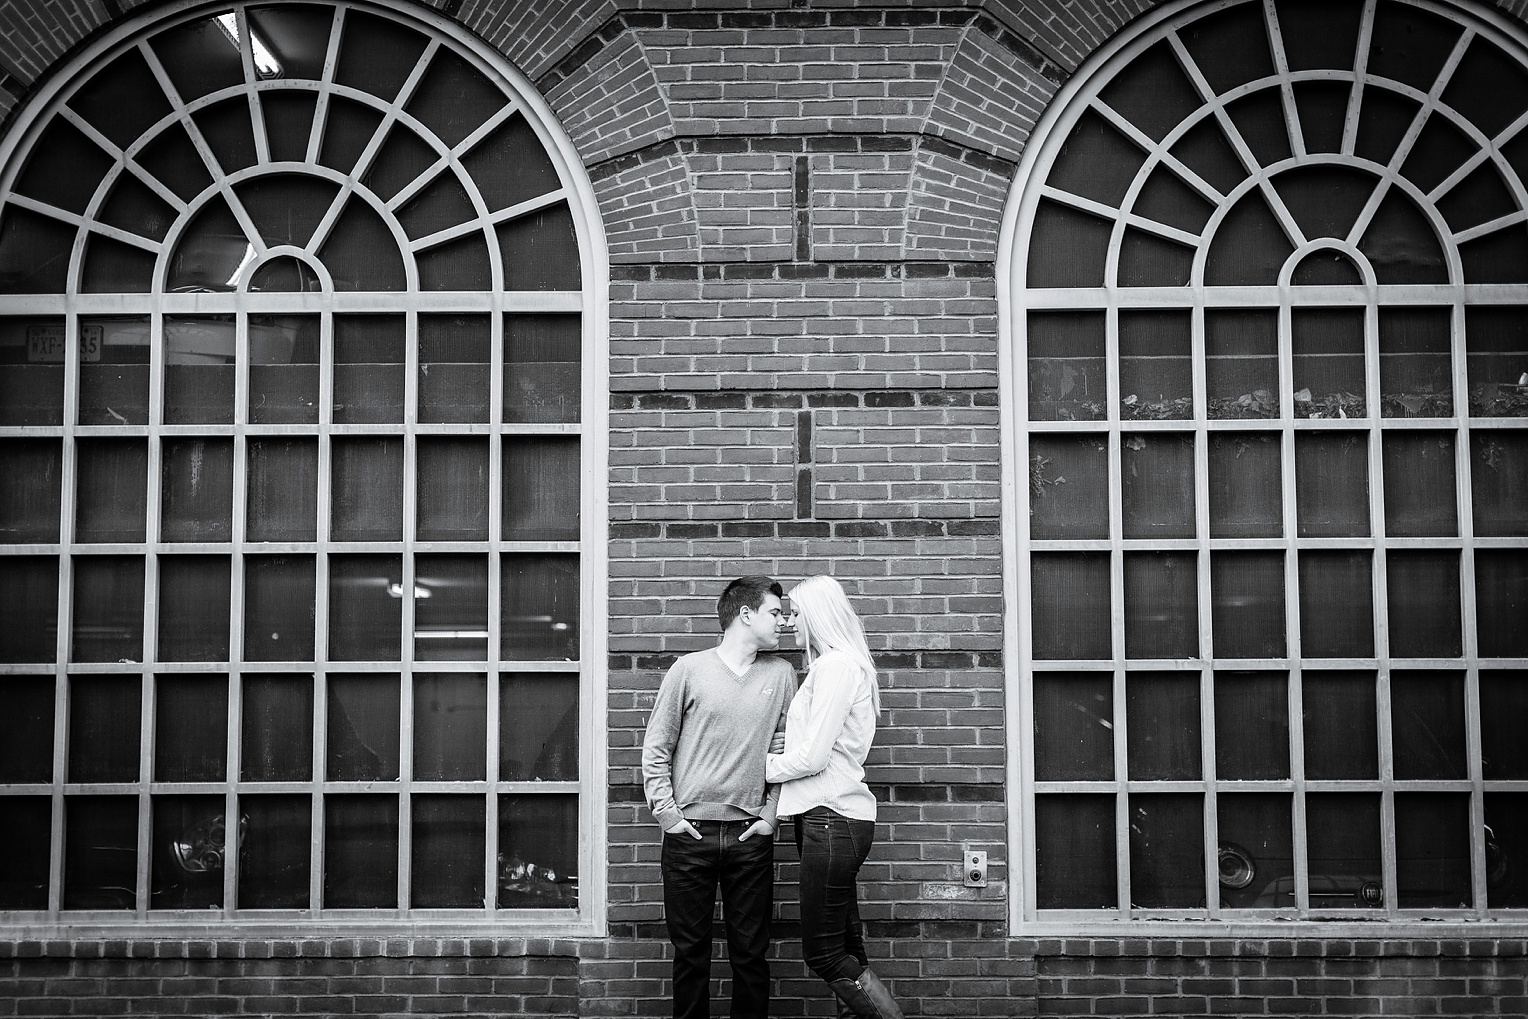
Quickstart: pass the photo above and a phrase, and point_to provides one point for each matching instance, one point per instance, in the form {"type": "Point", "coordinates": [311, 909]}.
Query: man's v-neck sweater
{"type": "Point", "coordinates": [703, 755]}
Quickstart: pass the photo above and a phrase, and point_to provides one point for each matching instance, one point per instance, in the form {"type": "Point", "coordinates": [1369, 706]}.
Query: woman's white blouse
{"type": "Point", "coordinates": [828, 732]}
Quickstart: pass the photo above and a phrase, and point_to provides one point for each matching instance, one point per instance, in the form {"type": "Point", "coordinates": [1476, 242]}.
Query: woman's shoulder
{"type": "Point", "coordinates": [836, 663]}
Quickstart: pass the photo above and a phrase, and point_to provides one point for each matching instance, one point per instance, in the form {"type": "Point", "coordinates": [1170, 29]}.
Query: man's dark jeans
{"type": "Point", "coordinates": [692, 871]}
{"type": "Point", "coordinates": [832, 849]}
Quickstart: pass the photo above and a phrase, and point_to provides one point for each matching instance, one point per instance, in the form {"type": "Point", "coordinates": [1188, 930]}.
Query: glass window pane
{"type": "Point", "coordinates": [1496, 349]}
{"type": "Point", "coordinates": [31, 474]}
{"type": "Point", "coordinates": [114, 388]}
{"type": "Point", "coordinates": [229, 132]}
{"type": "Point", "coordinates": [1251, 725]}
{"type": "Point", "coordinates": [403, 157]}
{"type": "Point", "coordinates": [538, 727]}
{"type": "Point", "coordinates": [1156, 378]}
{"type": "Point", "coordinates": [454, 98]}
{"type": "Point", "coordinates": [1074, 726]}
{"type": "Point", "coordinates": [439, 205]}
{"type": "Point", "coordinates": [288, 120]}
{"type": "Point", "coordinates": [1246, 485]}
{"type": "Point", "coordinates": [277, 721]}
{"type": "Point", "coordinates": [190, 728]}
{"type": "Point", "coordinates": [1067, 248]}
{"type": "Point", "coordinates": [377, 55]}
{"type": "Point", "coordinates": [368, 369]}
{"type": "Point", "coordinates": [1336, 605]}
{"type": "Point", "coordinates": [1242, 363]}
{"type": "Point", "coordinates": [1067, 378]}
{"type": "Point", "coordinates": [175, 161]}
{"type": "Point", "coordinates": [29, 591]}
{"type": "Point", "coordinates": [539, 602]}
{"type": "Point", "coordinates": [453, 367]}
{"type": "Point", "coordinates": [1501, 602]}
{"type": "Point", "coordinates": [1423, 592]}
{"type": "Point", "coordinates": [461, 264]}
{"type": "Point", "coordinates": [1068, 486]}
{"type": "Point", "coordinates": [64, 169]}
{"type": "Point", "coordinates": [104, 714]}
{"type": "Point", "coordinates": [360, 851]}
{"type": "Point", "coordinates": [1157, 485]}
{"type": "Point", "coordinates": [451, 608]}
{"type": "Point", "coordinates": [1415, 365]}
{"type": "Point", "coordinates": [31, 371]}
{"type": "Point", "coordinates": [1074, 852]}
{"type": "Point", "coordinates": [1343, 850]}
{"type": "Point", "coordinates": [1247, 604]}
{"type": "Point", "coordinates": [1427, 724]}
{"type": "Point", "coordinates": [1432, 850]}
{"type": "Point", "coordinates": [1256, 851]}
{"type": "Point", "coordinates": [279, 594]}
{"type": "Point", "coordinates": [1332, 484]}
{"type": "Point", "coordinates": [199, 369]}
{"type": "Point", "coordinates": [538, 851]}
{"type": "Point", "coordinates": [135, 207]}
{"type": "Point", "coordinates": [26, 729]}
{"type": "Point", "coordinates": [1259, 118]}
{"type": "Point", "coordinates": [286, 209]}
{"type": "Point", "coordinates": [34, 259]}
{"type": "Point", "coordinates": [541, 488]}
{"type": "Point", "coordinates": [281, 497]}
{"type": "Point", "coordinates": [283, 369]}
{"type": "Point", "coordinates": [1166, 851]}
{"type": "Point", "coordinates": [1338, 710]}
{"type": "Point", "coordinates": [365, 608]}
{"type": "Point", "coordinates": [100, 852]}
{"type": "Point", "coordinates": [198, 58]}
{"type": "Point", "coordinates": [1498, 483]}
{"type": "Point", "coordinates": [1097, 161]}
{"type": "Point", "coordinates": [449, 840]}
{"type": "Point", "coordinates": [275, 852]}
{"type": "Point", "coordinates": [348, 129]}
{"type": "Point", "coordinates": [543, 375]}
{"type": "Point", "coordinates": [1506, 847]}
{"type": "Point", "coordinates": [450, 727]}
{"type": "Point", "coordinates": [1419, 485]}
{"type": "Point", "coordinates": [367, 489]}
{"type": "Point", "coordinates": [453, 489]}
{"type": "Point", "coordinates": [1161, 605]}
{"type": "Point", "coordinates": [108, 609]}
{"type": "Point", "coordinates": [540, 251]}
{"type": "Point", "coordinates": [1503, 706]}
{"type": "Point", "coordinates": [363, 731]}
{"type": "Point", "coordinates": [193, 608]}
{"type": "Point", "coordinates": [1162, 723]}
{"type": "Point", "coordinates": [111, 491]}
{"type": "Point", "coordinates": [1070, 605]}
{"type": "Point", "coordinates": [28, 822]}
{"type": "Point", "coordinates": [197, 490]}
{"type": "Point", "coordinates": [361, 252]}
{"type": "Point", "coordinates": [511, 165]}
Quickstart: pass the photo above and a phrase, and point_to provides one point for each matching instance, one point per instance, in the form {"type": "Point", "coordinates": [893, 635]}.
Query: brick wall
{"type": "Point", "coordinates": [802, 201]}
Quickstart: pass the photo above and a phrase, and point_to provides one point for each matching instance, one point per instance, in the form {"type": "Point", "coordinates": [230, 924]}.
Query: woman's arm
{"type": "Point", "coordinates": [833, 689]}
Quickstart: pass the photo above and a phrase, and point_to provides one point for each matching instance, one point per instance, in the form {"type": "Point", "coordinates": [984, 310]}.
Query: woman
{"type": "Point", "coordinates": [828, 731]}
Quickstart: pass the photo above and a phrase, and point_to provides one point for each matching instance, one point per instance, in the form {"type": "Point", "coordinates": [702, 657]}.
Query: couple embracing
{"type": "Point", "coordinates": [720, 776]}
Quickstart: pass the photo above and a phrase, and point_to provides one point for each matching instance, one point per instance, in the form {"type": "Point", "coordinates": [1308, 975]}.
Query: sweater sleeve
{"type": "Point", "coordinates": [771, 808]}
{"type": "Point", "coordinates": [658, 749]}
{"type": "Point", "coordinates": [833, 688]}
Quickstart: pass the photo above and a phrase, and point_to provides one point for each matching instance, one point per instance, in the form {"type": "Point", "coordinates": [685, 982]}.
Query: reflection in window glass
{"type": "Point", "coordinates": [362, 743]}
{"type": "Point", "coordinates": [276, 744]}
{"type": "Point", "coordinates": [1068, 487]}
{"type": "Point", "coordinates": [538, 852]}
{"type": "Point", "coordinates": [454, 352]}
{"type": "Point", "coordinates": [1432, 850]}
{"type": "Point", "coordinates": [1167, 851]}
{"type": "Point", "coordinates": [538, 727]}
{"type": "Point", "coordinates": [191, 839]}
{"type": "Point", "coordinates": [451, 608]}
{"type": "Point", "coordinates": [1256, 852]}
{"type": "Point", "coordinates": [114, 388]}
{"type": "Point", "coordinates": [539, 607]}
{"type": "Point", "coordinates": [278, 608]}
{"type": "Point", "coordinates": [450, 726]}
{"type": "Point", "coordinates": [543, 374]}
{"type": "Point", "coordinates": [199, 369]}
{"type": "Point", "coordinates": [1343, 851]}
{"type": "Point", "coordinates": [368, 369]}
{"type": "Point", "coordinates": [283, 369]}
{"type": "Point", "coordinates": [31, 371]}
{"type": "Point", "coordinates": [1074, 726]}
{"type": "Point", "coordinates": [100, 852]}
{"type": "Point", "coordinates": [365, 608]}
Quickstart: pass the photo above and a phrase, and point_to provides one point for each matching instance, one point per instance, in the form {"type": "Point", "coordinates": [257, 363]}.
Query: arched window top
{"type": "Point", "coordinates": [1208, 151]}
{"type": "Point", "coordinates": [355, 140]}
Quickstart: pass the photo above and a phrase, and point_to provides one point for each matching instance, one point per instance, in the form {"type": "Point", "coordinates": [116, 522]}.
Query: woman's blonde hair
{"type": "Point", "coordinates": [829, 623]}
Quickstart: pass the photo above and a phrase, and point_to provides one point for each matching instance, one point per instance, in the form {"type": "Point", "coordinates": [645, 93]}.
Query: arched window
{"type": "Point", "coordinates": [1269, 393]}
{"type": "Point", "coordinates": [300, 319]}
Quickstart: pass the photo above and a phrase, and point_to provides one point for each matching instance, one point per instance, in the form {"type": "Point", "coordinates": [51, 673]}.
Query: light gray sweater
{"type": "Point", "coordinates": [703, 755]}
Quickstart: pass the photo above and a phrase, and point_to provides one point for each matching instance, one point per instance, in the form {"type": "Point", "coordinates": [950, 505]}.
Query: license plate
{"type": "Point", "coordinates": [46, 343]}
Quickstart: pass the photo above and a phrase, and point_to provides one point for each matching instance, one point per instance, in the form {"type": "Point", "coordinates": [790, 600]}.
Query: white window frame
{"type": "Point", "coordinates": [591, 302]}
{"type": "Point", "coordinates": [1015, 300]}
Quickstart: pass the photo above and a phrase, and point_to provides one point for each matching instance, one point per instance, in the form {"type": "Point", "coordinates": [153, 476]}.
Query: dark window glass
{"type": "Point", "coordinates": [190, 728]}
{"type": "Point", "coordinates": [114, 390]}
{"type": "Point", "coordinates": [361, 252]}
{"type": "Point", "coordinates": [31, 371]}
{"type": "Point", "coordinates": [1496, 354]}
{"type": "Point", "coordinates": [1155, 367]}
{"type": "Point", "coordinates": [100, 852]}
{"type": "Point", "coordinates": [1157, 485]}
{"type": "Point", "coordinates": [31, 472]}
{"type": "Point", "coordinates": [454, 352]}
{"type": "Point", "coordinates": [283, 369]}
{"type": "Point", "coordinates": [1341, 733]}
{"type": "Point", "coordinates": [363, 712]}
{"type": "Point", "coordinates": [1067, 248]}
{"type": "Point", "coordinates": [1250, 246]}
{"type": "Point", "coordinates": [540, 250]}
{"type": "Point", "coordinates": [1096, 162]}
{"type": "Point", "coordinates": [286, 208]}
{"type": "Point", "coordinates": [543, 375]}
{"type": "Point", "coordinates": [1068, 486]}
{"type": "Point", "coordinates": [281, 497]}
{"type": "Point", "coordinates": [511, 165]}
{"type": "Point", "coordinates": [365, 608]}
{"type": "Point", "coordinates": [99, 100]}
{"type": "Point", "coordinates": [1423, 592]}
{"type": "Point", "coordinates": [450, 727]}
{"type": "Point", "coordinates": [1498, 483]}
{"type": "Point", "coordinates": [134, 207]}
{"type": "Point", "coordinates": [360, 851]}
{"type": "Point", "coordinates": [1230, 47]}
{"type": "Point", "coordinates": [1242, 363]}
{"type": "Point", "coordinates": [199, 58]}
{"type": "Point", "coordinates": [1402, 247]}
{"type": "Point", "coordinates": [439, 205]}
{"type": "Point", "coordinates": [29, 591]}
{"type": "Point", "coordinates": [279, 594]}
{"type": "Point", "coordinates": [539, 601]}
{"type": "Point", "coordinates": [1251, 725]}
{"type": "Point", "coordinates": [193, 608]}
{"type": "Point", "coordinates": [26, 730]}
{"type": "Point", "coordinates": [108, 609]}
{"type": "Point", "coordinates": [1070, 605]}
{"type": "Point", "coordinates": [367, 492]}
{"type": "Point", "coordinates": [274, 852]}
{"type": "Point", "coordinates": [403, 157]}
{"type": "Point", "coordinates": [1336, 604]}
{"type": "Point", "coordinates": [64, 169]}
{"type": "Point", "coordinates": [1325, 200]}
{"type": "Point", "coordinates": [1067, 377]}
{"type": "Point", "coordinates": [1323, 107]}
{"type": "Point", "coordinates": [1161, 605]}
{"type": "Point", "coordinates": [1501, 602]}
{"type": "Point", "coordinates": [1343, 851]}
{"type": "Point", "coordinates": [1432, 850]}
{"type": "Point", "coordinates": [1246, 485]}
{"type": "Point", "coordinates": [1075, 852]}
{"type": "Point", "coordinates": [368, 369]}
{"type": "Point", "coordinates": [196, 479]}
{"type": "Point", "coordinates": [28, 821]}
{"type": "Point", "coordinates": [277, 720]}
{"type": "Point", "coordinates": [461, 264]}
{"type": "Point", "coordinates": [348, 129]}
{"type": "Point", "coordinates": [451, 608]}
{"type": "Point", "coordinates": [453, 489]}
{"type": "Point", "coordinates": [1247, 604]}
{"type": "Point", "coordinates": [541, 488]}
{"type": "Point", "coordinates": [449, 834]}
{"type": "Point", "coordinates": [113, 267]}
{"type": "Point", "coordinates": [1162, 723]}
{"type": "Point", "coordinates": [1166, 850]}
{"type": "Point", "coordinates": [1503, 706]}
{"type": "Point", "coordinates": [1506, 842]}
{"type": "Point", "coordinates": [34, 259]}
{"type": "Point", "coordinates": [538, 727]}
{"type": "Point", "coordinates": [111, 493]}
{"type": "Point", "coordinates": [1152, 92]}
{"type": "Point", "coordinates": [1427, 725]}
{"type": "Point", "coordinates": [538, 851]}
{"type": "Point", "coordinates": [1256, 861]}
{"type": "Point", "coordinates": [377, 55]}
{"type": "Point", "coordinates": [1328, 362]}
{"type": "Point", "coordinates": [104, 714]}
{"type": "Point", "coordinates": [199, 370]}
{"type": "Point", "coordinates": [1332, 484]}
{"type": "Point", "coordinates": [288, 120]}
{"type": "Point", "coordinates": [297, 36]}
{"type": "Point", "coordinates": [1074, 726]}
{"type": "Point", "coordinates": [1419, 484]}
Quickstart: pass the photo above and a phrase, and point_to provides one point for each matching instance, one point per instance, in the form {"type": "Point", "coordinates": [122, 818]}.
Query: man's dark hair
{"type": "Point", "coordinates": [745, 591]}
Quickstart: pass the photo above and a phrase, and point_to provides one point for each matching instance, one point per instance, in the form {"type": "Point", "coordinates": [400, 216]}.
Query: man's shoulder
{"type": "Point", "coordinates": [776, 664]}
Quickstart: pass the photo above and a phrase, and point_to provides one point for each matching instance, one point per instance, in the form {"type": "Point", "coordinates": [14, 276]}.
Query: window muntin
{"type": "Point", "coordinates": [1270, 272]}
{"type": "Point", "coordinates": [295, 340]}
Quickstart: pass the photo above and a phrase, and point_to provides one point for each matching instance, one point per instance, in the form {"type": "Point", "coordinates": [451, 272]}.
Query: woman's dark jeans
{"type": "Point", "coordinates": [832, 847]}
{"type": "Point", "coordinates": [693, 869]}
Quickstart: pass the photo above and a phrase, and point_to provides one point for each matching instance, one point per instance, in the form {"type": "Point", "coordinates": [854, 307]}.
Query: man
{"type": "Point", "coordinates": [703, 768]}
